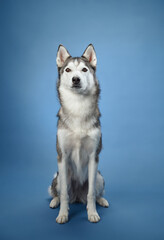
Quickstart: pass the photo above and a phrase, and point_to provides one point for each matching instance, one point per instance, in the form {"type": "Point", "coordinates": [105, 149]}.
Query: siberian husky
{"type": "Point", "coordinates": [79, 138]}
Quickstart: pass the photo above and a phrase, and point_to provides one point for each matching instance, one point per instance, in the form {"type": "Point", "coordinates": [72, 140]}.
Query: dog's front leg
{"type": "Point", "coordinates": [64, 205]}
{"type": "Point", "coordinates": [91, 197]}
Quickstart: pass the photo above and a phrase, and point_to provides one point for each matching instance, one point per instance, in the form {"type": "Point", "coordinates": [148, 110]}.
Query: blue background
{"type": "Point", "coordinates": [129, 40]}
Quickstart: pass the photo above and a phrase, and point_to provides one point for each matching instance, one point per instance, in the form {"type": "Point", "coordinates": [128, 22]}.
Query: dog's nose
{"type": "Point", "coordinates": [76, 80]}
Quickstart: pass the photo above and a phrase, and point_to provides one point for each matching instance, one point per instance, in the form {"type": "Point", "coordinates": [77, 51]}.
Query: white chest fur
{"type": "Point", "coordinates": [76, 149]}
{"type": "Point", "coordinates": [79, 139]}
{"type": "Point", "coordinates": [78, 107]}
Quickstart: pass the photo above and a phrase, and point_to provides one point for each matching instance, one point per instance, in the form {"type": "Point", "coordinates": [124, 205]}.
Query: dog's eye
{"type": "Point", "coordinates": [84, 69]}
{"type": "Point", "coordinates": [68, 70]}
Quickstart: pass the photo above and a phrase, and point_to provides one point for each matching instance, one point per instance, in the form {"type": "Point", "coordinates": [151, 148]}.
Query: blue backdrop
{"type": "Point", "coordinates": [129, 40]}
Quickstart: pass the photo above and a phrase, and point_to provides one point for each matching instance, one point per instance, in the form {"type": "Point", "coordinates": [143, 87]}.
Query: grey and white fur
{"type": "Point", "coordinates": [79, 138]}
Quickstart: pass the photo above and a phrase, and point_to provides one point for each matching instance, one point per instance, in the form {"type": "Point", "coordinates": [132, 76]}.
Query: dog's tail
{"type": "Point", "coordinates": [50, 191]}
{"type": "Point", "coordinates": [51, 187]}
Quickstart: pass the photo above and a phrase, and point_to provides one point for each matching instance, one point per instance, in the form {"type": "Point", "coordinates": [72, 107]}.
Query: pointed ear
{"type": "Point", "coordinates": [62, 55]}
{"type": "Point", "coordinates": [90, 55]}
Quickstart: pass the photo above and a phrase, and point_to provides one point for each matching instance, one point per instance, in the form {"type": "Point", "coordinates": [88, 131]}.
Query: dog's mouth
{"type": "Point", "coordinates": [76, 86]}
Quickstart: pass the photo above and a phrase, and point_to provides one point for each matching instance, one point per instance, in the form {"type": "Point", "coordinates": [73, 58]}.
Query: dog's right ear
{"type": "Point", "coordinates": [62, 55]}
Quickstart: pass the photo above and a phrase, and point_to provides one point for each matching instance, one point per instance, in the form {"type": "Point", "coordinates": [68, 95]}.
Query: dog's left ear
{"type": "Point", "coordinates": [90, 55]}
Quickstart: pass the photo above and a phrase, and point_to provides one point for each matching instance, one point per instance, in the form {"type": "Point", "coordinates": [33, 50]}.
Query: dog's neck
{"type": "Point", "coordinates": [77, 110]}
{"type": "Point", "coordinates": [78, 105]}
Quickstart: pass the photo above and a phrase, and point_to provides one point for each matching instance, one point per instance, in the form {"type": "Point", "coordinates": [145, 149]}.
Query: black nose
{"type": "Point", "coordinates": [76, 80]}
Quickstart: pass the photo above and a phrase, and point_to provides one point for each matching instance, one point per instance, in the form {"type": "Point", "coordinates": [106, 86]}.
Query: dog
{"type": "Point", "coordinates": [79, 138]}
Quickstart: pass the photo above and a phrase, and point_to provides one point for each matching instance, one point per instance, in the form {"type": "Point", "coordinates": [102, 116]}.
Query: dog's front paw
{"type": "Point", "coordinates": [62, 218]}
{"type": "Point", "coordinates": [93, 217]}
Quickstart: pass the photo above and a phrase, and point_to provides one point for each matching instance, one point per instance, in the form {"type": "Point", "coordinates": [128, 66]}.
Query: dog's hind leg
{"type": "Point", "coordinates": [102, 202]}
{"type": "Point", "coordinates": [54, 191]}
{"type": "Point", "coordinates": [54, 202]}
{"type": "Point", "coordinates": [100, 191]}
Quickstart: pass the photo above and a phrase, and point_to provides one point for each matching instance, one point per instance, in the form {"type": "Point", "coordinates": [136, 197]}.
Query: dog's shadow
{"type": "Point", "coordinates": [77, 208]}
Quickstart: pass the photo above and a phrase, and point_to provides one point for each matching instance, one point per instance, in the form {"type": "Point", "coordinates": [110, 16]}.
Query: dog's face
{"type": "Point", "coordinates": [77, 74]}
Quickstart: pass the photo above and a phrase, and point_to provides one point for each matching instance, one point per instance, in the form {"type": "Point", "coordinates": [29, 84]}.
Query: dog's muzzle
{"type": "Point", "coordinates": [76, 82]}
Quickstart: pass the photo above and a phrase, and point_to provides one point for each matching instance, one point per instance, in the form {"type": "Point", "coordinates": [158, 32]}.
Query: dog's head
{"type": "Point", "coordinates": [77, 74]}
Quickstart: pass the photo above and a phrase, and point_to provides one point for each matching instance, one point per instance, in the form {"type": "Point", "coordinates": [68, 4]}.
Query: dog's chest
{"type": "Point", "coordinates": [78, 146]}
{"type": "Point", "coordinates": [77, 136]}
{"type": "Point", "coordinates": [80, 150]}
